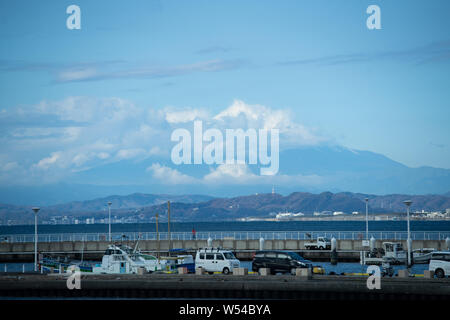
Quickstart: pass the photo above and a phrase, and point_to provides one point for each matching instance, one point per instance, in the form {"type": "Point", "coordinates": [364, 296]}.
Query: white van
{"type": "Point", "coordinates": [216, 260]}
{"type": "Point", "coordinates": [440, 263]}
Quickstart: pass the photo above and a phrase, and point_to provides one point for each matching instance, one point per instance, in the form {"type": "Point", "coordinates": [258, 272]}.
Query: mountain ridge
{"type": "Point", "coordinates": [201, 207]}
{"type": "Point", "coordinates": [309, 169]}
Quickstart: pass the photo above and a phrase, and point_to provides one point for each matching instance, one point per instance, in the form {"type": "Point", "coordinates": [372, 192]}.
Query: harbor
{"type": "Point", "coordinates": [334, 265]}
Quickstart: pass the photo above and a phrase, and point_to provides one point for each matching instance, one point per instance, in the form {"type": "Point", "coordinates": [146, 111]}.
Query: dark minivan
{"type": "Point", "coordinates": [279, 261]}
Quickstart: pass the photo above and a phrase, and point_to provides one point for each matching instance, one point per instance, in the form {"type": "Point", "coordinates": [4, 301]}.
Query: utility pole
{"type": "Point", "coordinates": [408, 243]}
{"type": "Point", "coordinates": [367, 218]}
{"type": "Point", "coordinates": [157, 236]}
{"type": "Point", "coordinates": [36, 210]}
{"type": "Point", "coordinates": [168, 226]}
{"type": "Point", "coordinates": [109, 221]}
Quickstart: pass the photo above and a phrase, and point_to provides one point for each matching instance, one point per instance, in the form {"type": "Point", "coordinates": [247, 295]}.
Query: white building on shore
{"type": "Point", "coordinates": [288, 215]}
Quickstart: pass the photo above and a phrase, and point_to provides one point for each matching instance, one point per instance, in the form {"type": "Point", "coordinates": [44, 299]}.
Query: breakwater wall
{"type": "Point", "coordinates": [348, 250]}
{"type": "Point", "coordinates": [160, 286]}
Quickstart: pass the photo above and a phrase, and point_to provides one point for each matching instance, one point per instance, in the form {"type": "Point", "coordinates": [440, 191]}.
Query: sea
{"type": "Point", "coordinates": [339, 268]}
{"type": "Point", "coordinates": [399, 226]}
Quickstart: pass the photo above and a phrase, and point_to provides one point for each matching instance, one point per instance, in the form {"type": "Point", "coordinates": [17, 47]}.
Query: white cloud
{"type": "Point", "coordinates": [129, 153]}
{"type": "Point", "coordinates": [183, 116]}
{"type": "Point", "coordinates": [239, 107]}
{"type": "Point", "coordinates": [243, 115]}
{"type": "Point", "coordinates": [53, 138]}
{"type": "Point", "coordinates": [76, 75]}
{"type": "Point", "coordinates": [86, 109]}
{"type": "Point", "coordinates": [95, 72]}
{"type": "Point", "coordinates": [103, 155]}
{"type": "Point", "coordinates": [235, 172]}
{"type": "Point", "coordinates": [168, 175]}
{"type": "Point", "coordinates": [80, 159]}
{"type": "Point", "coordinates": [230, 175]}
{"type": "Point", "coordinates": [48, 162]}
{"type": "Point", "coordinates": [241, 174]}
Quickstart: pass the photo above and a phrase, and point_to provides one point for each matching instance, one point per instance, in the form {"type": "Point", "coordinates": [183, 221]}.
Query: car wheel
{"type": "Point", "coordinates": [440, 273]}
{"type": "Point", "coordinates": [293, 271]}
{"type": "Point", "coordinates": [226, 271]}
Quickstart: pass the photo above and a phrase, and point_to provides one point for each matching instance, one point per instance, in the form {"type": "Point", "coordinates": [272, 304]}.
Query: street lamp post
{"type": "Point", "coordinates": [157, 236]}
{"type": "Point", "coordinates": [408, 204]}
{"type": "Point", "coordinates": [36, 210]}
{"type": "Point", "coordinates": [367, 218]}
{"type": "Point", "coordinates": [168, 226]}
{"type": "Point", "coordinates": [109, 220]}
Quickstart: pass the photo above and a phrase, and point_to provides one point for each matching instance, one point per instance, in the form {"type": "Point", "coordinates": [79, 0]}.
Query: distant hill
{"type": "Point", "coordinates": [206, 208]}
{"type": "Point", "coordinates": [21, 214]}
{"type": "Point", "coordinates": [120, 204]}
{"type": "Point", "coordinates": [132, 201]}
{"type": "Point", "coordinates": [307, 203]}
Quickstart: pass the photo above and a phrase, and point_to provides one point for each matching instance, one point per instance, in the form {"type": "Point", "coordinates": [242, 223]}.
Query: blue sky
{"type": "Point", "coordinates": [385, 91]}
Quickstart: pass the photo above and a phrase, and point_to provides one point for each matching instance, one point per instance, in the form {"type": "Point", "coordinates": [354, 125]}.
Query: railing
{"type": "Point", "coordinates": [236, 235]}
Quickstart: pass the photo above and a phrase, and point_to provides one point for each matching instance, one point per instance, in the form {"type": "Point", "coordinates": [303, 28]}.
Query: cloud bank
{"type": "Point", "coordinates": [53, 140]}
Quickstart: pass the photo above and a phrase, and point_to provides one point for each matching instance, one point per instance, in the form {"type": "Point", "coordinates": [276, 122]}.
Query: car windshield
{"type": "Point", "coordinates": [229, 256]}
{"type": "Point", "coordinates": [296, 256]}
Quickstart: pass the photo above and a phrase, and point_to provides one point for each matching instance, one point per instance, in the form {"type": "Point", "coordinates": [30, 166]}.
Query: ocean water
{"type": "Point", "coordinates": [351, 267]}
{"type": "Point", "coordinates": [343, 267]}
{"type": "Point", "coordinates": [234, 226]}
{"type": "Point", "coordinates": [16, 267]}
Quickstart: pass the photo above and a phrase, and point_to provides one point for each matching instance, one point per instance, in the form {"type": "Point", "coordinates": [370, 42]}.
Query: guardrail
{"type": "Point", "coordinates": [236, 235]}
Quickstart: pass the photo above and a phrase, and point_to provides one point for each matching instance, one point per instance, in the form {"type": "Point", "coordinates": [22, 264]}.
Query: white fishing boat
{"type": "Point", "coordinates": [423, 255]}
{"type": "Point", "coordinates": [394, 253]}
{"type": "Point", "coordinates": [117, 259]}
{"type": "Point", "coordinates": [122, 259]}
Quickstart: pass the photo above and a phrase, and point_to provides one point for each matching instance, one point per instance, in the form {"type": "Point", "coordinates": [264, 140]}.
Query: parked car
{"type": "Point", "coordinates": [216, 260]}
{"type": "Point", "coordinates": [279, 261]}
{"type": "Point", "coordinates": [440, 263]}
{"type": "Point", "coordinates": [321, 243]}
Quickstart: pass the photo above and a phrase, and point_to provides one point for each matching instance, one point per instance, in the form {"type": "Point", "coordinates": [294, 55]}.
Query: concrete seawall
{"type": "Point", "coordinates": [348, 249]}
{"type": "Point", "coordinates": [159, 286]}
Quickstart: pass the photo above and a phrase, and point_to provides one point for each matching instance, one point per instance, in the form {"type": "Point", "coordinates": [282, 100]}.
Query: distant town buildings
{"type": "Point", "coordinates": [432, 214]}
{"type": "Point", "coordinates": [139, 217]}
{"type": "Point", "coordinates": [288, 215]}
{"type": "Point", "coordinates": [323, 213]}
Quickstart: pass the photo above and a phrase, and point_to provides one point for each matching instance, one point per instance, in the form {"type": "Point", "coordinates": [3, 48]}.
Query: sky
{"type": "Point", "coordinates": [75, 99]}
